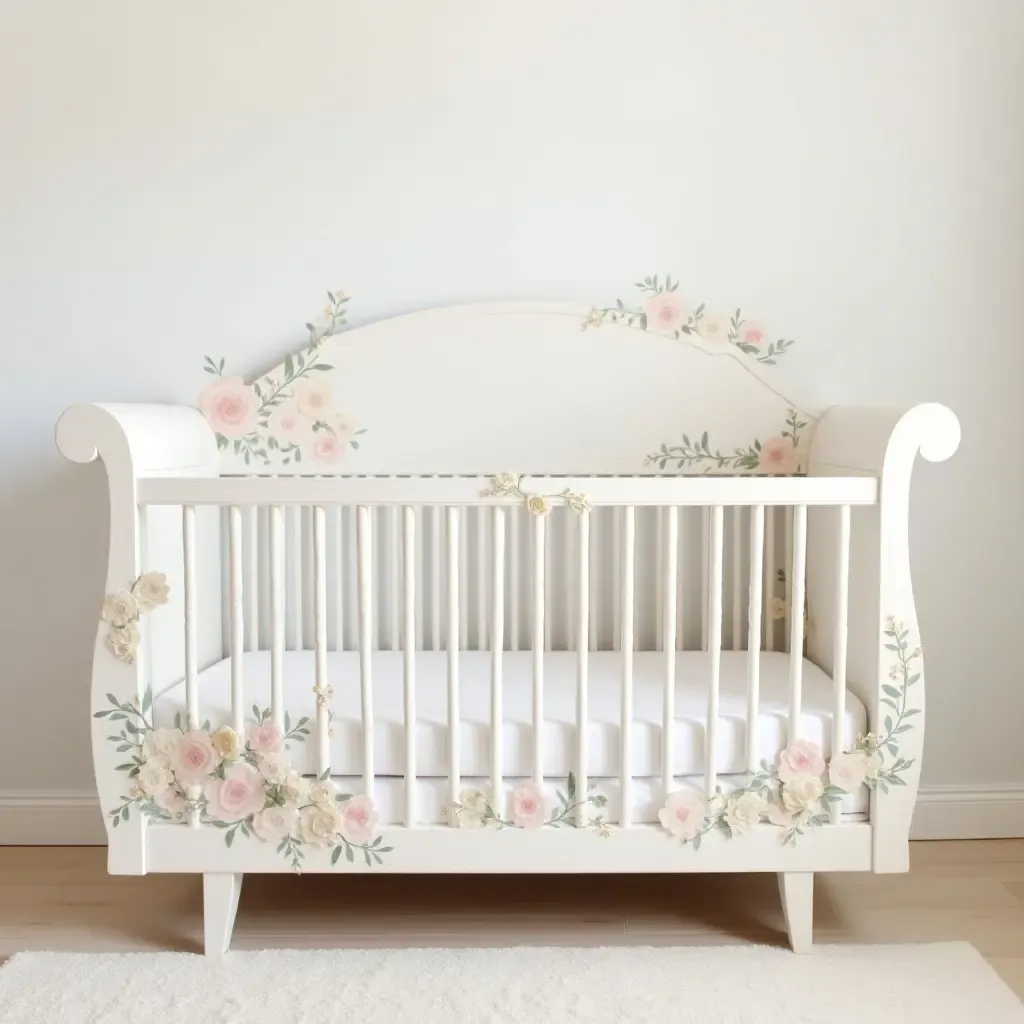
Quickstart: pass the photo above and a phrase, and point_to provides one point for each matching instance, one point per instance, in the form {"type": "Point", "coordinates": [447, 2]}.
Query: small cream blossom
{"type": "Point", "coordinates": [471, 810]}
{"type": "Point", "coordinates": [323, 792]}
{"type": "Point", "coordinates": [778, 607]}
{"type": "Point", "coordinates": [502, 483]}
{"type": "Point", "coordinates": [848, 771]}
{"type": "Point", "coordinates": [120, 608]}
{"type": "Point", "coordinates": [895, 672]}
{"type": "Point", "coordinates": [274, 768]}
{"type": "Point", "coordinates": [744, 811]}
{"type": "Point", "coordinates": [321, 825]}
{"type": "Point", "coordinates": [151, 590]}
{"type": "Point", "coordinates": [123, 642]}
{"type": "Point", "coordinates": [272, 824]}
{"type": "Point", "coordinates": [802, 795]}
{"type": "Point", "coordinates": [154, 779]}
{"type": "Point", "coordinates": [295, 789]}
{"type": "Point", "coordinates": [226, 742]}
{"type": "Point", "coordinates": [538, 504]}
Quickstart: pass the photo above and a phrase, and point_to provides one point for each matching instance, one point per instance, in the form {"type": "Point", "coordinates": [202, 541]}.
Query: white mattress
{"type": "Point", "coordinates": [559, 756]}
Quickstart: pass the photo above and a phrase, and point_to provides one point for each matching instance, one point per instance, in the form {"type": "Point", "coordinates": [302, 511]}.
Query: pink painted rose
{"type": "Point", "coordinates": [752, 332]}
{"type": "Point", "coordinates": [665, 312]}
{"type": "Point", "coordinates": [274, 823]}
{"type": "Point", "coordinates": [240, 793]}
{"type": "Point", "coordinates": [848, 771]}
{"type": "Point", "coordinates": [778, 455]}
{"type": "Point", "coordinates": [194, 758]}
{"type": "Point", "coordinates": [230, 405]}
{"type": "Point", "coordinates": [683, 814]}
{"type": "Point", "coordinates": [358, 819]}
{"type": "Point", "coordinates": [288, 426]}
{"type": "Point", "coordinates": [529, 806]}
{"type": "Point", "coordinates": [267, 738]}
{"type": "Point", "coordinates": [313, 399]}
{"type": "Point", "coordinates": [801, 757]}
{"type": "Point", "coordinates": [327, 448]}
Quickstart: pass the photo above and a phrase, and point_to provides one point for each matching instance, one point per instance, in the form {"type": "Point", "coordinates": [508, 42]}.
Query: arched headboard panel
{"type": "Point", "coordinates": [519, 387]}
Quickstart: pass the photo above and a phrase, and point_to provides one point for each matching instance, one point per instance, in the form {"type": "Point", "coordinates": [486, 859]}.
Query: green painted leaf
{"type": "Point", "coordinates": [350, 855]}
{"type": "Point", "coordinates": [890, 690]}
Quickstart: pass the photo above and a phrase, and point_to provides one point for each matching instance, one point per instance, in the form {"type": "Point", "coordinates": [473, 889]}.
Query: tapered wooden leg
{"type": "Point", "coordinates": [797, 891]}
{"type": "Point", "coordinates": [220, 901]}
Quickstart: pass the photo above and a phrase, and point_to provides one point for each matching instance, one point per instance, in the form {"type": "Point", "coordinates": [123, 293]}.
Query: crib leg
{"type": "Point", "coordinates": [797, 891]}
{"type": "Point", "coordinates": [220, 901]}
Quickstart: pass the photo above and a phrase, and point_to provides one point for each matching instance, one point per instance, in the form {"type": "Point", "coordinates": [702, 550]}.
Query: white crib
{"type": "Point", "coordinates": [673, 659]}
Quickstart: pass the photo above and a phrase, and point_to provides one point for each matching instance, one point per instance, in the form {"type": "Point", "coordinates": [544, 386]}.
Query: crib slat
{"type": "Point", "coordinates": [237, 620]}
{"type": "Point", "coordinates": [616, 555]}
{"type": "Point", "coordinates": [626, 714]}
{"type": "Point", "coordinates": [549, 603]}
{"type": "Point", "coordinates": [595, 573]}
{"type": "Point", "coordinates": [515, 519]}
{"type": "Point", "coordinates": [538, 643]}
{"type": "Point", "coordinates": [252, 558]}
{"type": "Point", "coordinates": [364, 552]}
{"type": "Point", "coordinates": [435, 577]}
{"type": "Point", "coordinates": [322, 682]}
{"type": "Point", "coordinates": [788, 587]}
{"type": "Point", "coordinates": [714, 645]}
{"type": "Point", "coordinates": [338, 528]}
{"type": "Point", "coordinates": [395, 587]}
{"type": "Point", "coordinates": [770, 571]}
{"type": "Point", "coordinates": [668, 718]}
{"type": "Point", "coordinates": [681, 585]}
{"type": "Point", "coordinates": [736, 626]}
{"type": "Point", "coordinates": [754, 634]}
{"type": "Point", "coordinates": [295, 596]}
{"type": "Point", "coordinates": [481, 578]}
{"type": "Point", "coordinates": [277, 616]}
{"type": "Point", "coordinates": [582, 664]}
{"type": "Point", "coordinates": [839, 632]}
{"type": "Point", "coordinates": [420, 572]}
{"type": "Point", "coordinates": [188, 543]}
{"type": "Point", "coordinates": [796, 618]}
{"type": "Point", "coordinates": [568, 567]}
{"type": "Point", "coordinates": [453, 653]}
{"type": "Point", "coordinates": [705, 543]}
{"type": "Point", "coordinates": [409, 590]}
{"type": "Point", "coordinates": [464, 577]}
{"type": "Point", "coordinates": [497, 643]}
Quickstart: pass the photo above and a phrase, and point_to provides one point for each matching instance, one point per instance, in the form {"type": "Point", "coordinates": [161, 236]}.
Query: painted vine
{"type": "Point", "coordinates": [507, 485]}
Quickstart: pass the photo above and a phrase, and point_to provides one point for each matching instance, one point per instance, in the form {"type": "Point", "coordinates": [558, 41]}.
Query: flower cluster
{"type": "Point", "coordinates": [529, 807]}
{"type": "Point", "coordinates": [292, 417]}
{"type": "Point", "coordinates": [123, 609]}
{"type": "Point", "coordinates": [778, 456]}
{"type": "Point", "coordinates": [243, 784]}
{"type": "Point", "coordinates": [506, 485]}
{"type": "Point", "coordinates": [663, 309]}
{"type": "Point", "coordinates": [801, 789]}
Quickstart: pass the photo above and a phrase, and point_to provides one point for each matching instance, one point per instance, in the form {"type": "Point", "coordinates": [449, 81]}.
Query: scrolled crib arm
{"type": "Point", "coordinates": [885, 661]}
{"type": "Point", "coordinates": [132, 441]}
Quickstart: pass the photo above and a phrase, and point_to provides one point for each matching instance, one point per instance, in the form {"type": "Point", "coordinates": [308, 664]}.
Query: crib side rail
{"type": "Point", "coordinates": [130, 440]}
{"type": "Point", "coordinates": [883, 641]}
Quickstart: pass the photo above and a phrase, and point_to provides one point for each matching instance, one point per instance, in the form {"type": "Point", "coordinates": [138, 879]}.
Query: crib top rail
{"type": "Point", "coordinates": [578, 491]}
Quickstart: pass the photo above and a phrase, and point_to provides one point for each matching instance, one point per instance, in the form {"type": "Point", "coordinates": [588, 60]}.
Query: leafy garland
{"type": "Point", "coordinates": [507, 485]}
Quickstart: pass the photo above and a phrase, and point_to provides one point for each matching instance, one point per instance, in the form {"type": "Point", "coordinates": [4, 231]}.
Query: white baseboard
{"type": "Point", "coordinates": [969, 812]}
{"type": "Point", "coordinates": [72, 818]}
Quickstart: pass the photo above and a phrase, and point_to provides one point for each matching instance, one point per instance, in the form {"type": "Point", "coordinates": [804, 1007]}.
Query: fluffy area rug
{"type": "Point", "coordinates": [930, 984]}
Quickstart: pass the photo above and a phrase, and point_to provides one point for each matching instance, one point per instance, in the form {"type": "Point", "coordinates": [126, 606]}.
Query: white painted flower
{"type": "Point", "coordinates": [123, 642]}
{"type": "Point", "coordinates": [344, 426]}
{"type": "Point", "coordinates": [151, 590]}
{"type": "Point", "coordinates": [227, 742]}
{"type": "Point", "coordinates": [172, 803]}
{"type": "Point", "coordinates": [323, 793]}
{"type": "Point", "coordinates": [274, 768]}
{"type": "Point", "coordinates": [120, 608]}
{"type": "Point", "coordinates": [848, 771]}
{"type": "Point", "coordinates": [802, 795]}
{"type": "Point", "coordinates": [154, 779]}
{"type": "Point", "coordinates": [683, 814]}
{"type": "Point", "coordinates": [778, 607]}
{"type": "Point", "coordinates": [896, 672]}
{"type": "Point", "coordinates": [780, 816]}
{"type": "Point", "coordinates": [295, 790]}
{"type": "Point", "coordinates": [471, 811]}
{"type": "Point", "coordinates": [538, 504]}
{"type": "Point", "coordinates": [161, 742]}
{"type": "Point", "coordinates": [715, 327]}
{"type": "Point", "coordinates": [872, 763]}
{"type": "Point", "coordinates": [502, 483]}
{"type": "Point", "coordinates": [313, 398]}
{"type": "Point", "coordinates": [321, 825]}
{"type": "Point", "coordinates": [744, 811]}
{"type": "Point", "coordinates": [274, 823]}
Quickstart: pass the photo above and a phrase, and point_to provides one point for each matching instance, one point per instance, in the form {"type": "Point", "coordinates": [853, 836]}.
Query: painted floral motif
{"type": "Point", "coordinates": [244, 785]}
{"type": "Point", "coordinates": [777, 456]}
{"type": "Point", "coordinates": [662, 309]}
{"type": "Point", "coordinates": [290, 418]}
{"type": "Point", "coordinates": [123, 609]}
{"type": "Point", "coordinates": [530, 807]}
{"type": "Point", "coordinates": [799, 792]}
{"type": "Point", "coordinates": [506, 485]}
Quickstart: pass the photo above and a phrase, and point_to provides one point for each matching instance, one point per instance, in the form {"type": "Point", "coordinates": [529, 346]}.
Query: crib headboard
{"type": "Point", "coordinates": [527, 388]}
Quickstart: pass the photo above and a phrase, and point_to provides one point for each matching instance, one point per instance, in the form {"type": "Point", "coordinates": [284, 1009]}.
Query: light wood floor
{"type": "Point", "coordinates": [62, 898]}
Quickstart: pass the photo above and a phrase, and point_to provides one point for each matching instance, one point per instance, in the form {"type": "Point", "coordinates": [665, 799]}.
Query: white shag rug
{"type": "Point", "coordinates": [929, 984]}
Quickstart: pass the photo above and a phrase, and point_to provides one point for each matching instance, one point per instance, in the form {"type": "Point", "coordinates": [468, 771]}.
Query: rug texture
{"type": "Point", "coordinates": [929, 984]}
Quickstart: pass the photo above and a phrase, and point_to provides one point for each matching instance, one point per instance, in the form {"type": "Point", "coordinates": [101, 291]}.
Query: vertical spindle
{"type": "Point", "coordinates": [736, 626]}
{"type": "Point", "coordinates": [770, 573]}
{"type": "Point", "coordinates": [754, 634]}
{"type": "Point", "coordinates": [714, 645]}
{"type": "Point", "coordinates": [395, 586]}
{"type": "Point", "coordinates": [237, 619]}
{"type": "Point", "coordinates": [515, 521]}
{"type": "Point", "coordinates": [364, 548]}
{"type": "Point", "coordinates": [497, 640]}
{"type": "Point", "coordinates": [322, 686]}
{"type": "Point", "coordinates": [796, 578]}
{"type": "Point", "coordinates": [626, 646]}
{"type": "Point", "coordinates": [464, 578]}
{"type": "Point", "coordinates": [582, 665]}
{"type": "Point", "coordinates": [538, 644]}
{"type": "Point", "coordinates": [705, 544]}
{"type": "Point", "coordinates": [839, 632]}
{"type": "Point", "coordinates": [295, 596]}
{"type": "Point", "coordinates": [188, 543]}
{"type": "Point", "coordinates": [453, 654]}
{"type": "Point", "coordinates": [252, 558]}
{"type": "Point", "coordinates": [338, 528]}
{"type": "Point", "coordinates": [681, 585]}
{"type": "Point", "coordinates": [788, 586]}
{"type": "Point", "coordinates": [421, 573]}
{"type": "Point", "coordinates": [669, 565]}
{"type": "Point", "coordinates": [277, 614]}
{"type": "Point", "coordinates": [409, 591]}
{"type": "Point", "coordinates": [436, 514]}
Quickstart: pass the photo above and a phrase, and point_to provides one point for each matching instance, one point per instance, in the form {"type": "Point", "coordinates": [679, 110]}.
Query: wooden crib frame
{"type": "Point", "coordinates": [850, 562]}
